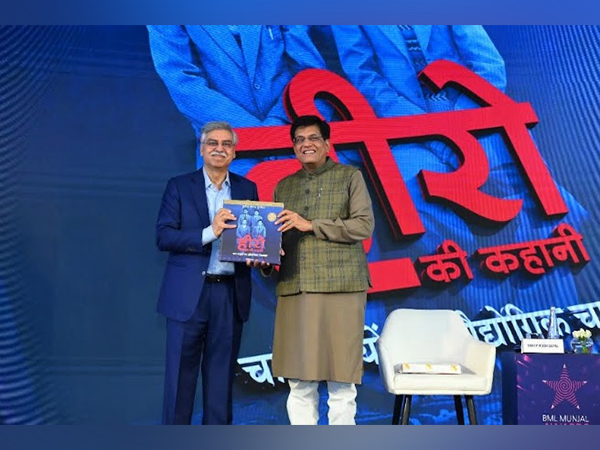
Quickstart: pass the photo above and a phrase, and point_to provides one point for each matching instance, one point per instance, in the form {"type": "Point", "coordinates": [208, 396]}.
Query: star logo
{"type": "Point", "coordinates": [564, 389]}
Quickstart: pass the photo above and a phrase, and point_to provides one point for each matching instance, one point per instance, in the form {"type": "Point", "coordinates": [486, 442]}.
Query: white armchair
{"type": "Point", "coordinates": [433, 337]}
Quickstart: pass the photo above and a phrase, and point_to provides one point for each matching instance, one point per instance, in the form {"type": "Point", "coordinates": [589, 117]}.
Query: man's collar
{"type": "Point", "coordinates": [328, 164]}
{"type": "Point", "coordinates": [208, 183]}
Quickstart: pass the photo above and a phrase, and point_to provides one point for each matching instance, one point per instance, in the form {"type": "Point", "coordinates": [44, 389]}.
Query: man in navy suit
{"type": "Point", "coordinates": [237, 72]}
{"type": "Point", "coordinates": [205, 301]}
{"type": "Point", "coordinates": [233, 71]}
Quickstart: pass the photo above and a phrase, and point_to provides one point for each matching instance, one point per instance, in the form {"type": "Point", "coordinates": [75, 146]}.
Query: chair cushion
{"type": "Point", "coordinates": [432, 368]}
{"type": "Point", "coordinates": [466, 383]}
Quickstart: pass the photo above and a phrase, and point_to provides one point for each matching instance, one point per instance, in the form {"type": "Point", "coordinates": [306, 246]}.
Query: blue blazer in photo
{"type": "Point", "coordinates": [212, 77]}
{"type": "Point", "coordinates": [182, 217]}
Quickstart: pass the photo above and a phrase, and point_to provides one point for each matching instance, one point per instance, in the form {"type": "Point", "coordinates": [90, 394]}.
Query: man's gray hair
{"type": "Point", "coordinates": [221, 125]}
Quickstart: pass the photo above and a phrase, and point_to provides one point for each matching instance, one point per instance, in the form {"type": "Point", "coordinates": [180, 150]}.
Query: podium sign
{"type": "Point", "coordinates": [545, 389]}
{"type": "Point", "coordinates": [542, 346]}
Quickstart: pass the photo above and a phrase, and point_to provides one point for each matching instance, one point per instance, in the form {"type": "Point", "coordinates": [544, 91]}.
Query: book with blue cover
{"type": "Point", "coordinates": [255, 236]}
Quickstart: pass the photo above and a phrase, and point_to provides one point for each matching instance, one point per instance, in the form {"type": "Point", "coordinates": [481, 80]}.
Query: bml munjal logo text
{"type": "Point", "coordinates": [565, 419]}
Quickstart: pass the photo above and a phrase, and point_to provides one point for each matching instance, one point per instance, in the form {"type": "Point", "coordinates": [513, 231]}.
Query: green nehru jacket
{"type": "Point", "coordinates": [330, 259]}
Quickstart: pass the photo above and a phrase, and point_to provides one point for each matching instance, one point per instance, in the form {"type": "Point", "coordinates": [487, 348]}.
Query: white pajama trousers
{"type": "Point", "coordinates": [303, 402]}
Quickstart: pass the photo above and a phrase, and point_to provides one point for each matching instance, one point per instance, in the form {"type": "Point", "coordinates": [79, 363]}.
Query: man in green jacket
{"type": "Point", "coordinates": [323, 279]}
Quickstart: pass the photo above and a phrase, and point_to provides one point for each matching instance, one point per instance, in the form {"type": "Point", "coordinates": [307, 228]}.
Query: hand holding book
{"type": "Point", "coordinates": [219, 223]}
{"type": "Point", "coordinates": [262, 264]}
{"type": "Point", "coordinates": [290, 219]}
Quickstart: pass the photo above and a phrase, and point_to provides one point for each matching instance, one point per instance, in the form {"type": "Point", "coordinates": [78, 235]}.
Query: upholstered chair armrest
{"type": "Point", "coordinates": [480, 358]}
{"type": "Point", "coordinates": [386, 364]}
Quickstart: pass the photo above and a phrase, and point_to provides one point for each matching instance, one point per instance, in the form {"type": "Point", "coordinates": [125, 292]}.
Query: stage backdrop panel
{"type": "Point", "coordinates": [478, 145]}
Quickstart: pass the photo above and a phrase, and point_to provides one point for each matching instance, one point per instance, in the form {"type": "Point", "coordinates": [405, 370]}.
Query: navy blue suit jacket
{"type": "Point", "coordinates": [376, 60]}
{"type": "Point", "coordinates": [210, 77]}
{"type": "Point", "coordinates": [182, 217]}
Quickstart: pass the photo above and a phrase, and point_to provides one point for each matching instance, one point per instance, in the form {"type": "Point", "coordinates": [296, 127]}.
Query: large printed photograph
{"type": "Point", "coordinates": [478, 146]}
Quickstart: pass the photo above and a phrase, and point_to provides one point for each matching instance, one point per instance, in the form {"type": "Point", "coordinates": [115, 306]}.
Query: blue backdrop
{"type": "Point", "coordinates": [92, 132]}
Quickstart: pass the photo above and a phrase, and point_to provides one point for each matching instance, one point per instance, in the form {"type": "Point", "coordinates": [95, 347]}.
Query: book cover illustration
{"type": "Point", "coordinates": [255, 236]}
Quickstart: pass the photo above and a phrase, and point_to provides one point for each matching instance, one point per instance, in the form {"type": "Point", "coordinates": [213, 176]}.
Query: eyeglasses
{"type": "Point", "coordinates": [301, 139]}
{"type": "Point", "coordinates": [212, 144]}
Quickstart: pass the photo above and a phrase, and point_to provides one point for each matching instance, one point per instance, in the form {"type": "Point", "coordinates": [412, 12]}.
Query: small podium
{"type": "Point", "coordinates": [550, 389]}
